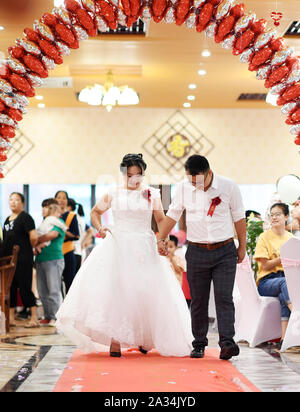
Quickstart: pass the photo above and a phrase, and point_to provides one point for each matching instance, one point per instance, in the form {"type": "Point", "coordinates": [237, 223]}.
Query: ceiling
{"type": "Point", "coordinates": [159, 66]}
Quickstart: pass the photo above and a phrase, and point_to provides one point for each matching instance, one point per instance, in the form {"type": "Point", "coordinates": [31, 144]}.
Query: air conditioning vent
{"type": "Point", "coordinates": [294, 29]}
{"type": "Point", "coordinates": [138, 28]}
{"type": "Point", "coordinates": [57, 83]}
{"type": "Point", "coordinates": [252, 96]}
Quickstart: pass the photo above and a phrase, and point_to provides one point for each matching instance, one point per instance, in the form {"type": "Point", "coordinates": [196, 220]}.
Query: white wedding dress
{"type": "Point", "coordinates": [125, 290]}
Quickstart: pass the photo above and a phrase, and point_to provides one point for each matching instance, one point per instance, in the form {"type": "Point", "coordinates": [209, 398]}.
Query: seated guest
{"type": "Point", "coordinates": [294, 225]}
{"type": "Point", "coordinates": [270, 278]}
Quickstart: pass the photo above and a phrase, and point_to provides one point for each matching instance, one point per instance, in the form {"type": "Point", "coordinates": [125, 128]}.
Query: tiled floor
{"type": "Point", "coordinates": [32, 360]}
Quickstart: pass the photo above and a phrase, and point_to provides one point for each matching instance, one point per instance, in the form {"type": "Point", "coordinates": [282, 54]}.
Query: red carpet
{"type": "Point", "coordinates": [135, 372]}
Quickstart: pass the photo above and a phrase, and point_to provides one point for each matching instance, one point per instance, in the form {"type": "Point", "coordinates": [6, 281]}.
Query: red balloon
{"type": "Point", "coordinates": [292, 92]}
{"type": "Point", "coordinates": [49, 19]}
{"type": "Point", "coordinates": [71, 5]}
{"type": "Point", "coordinates": [130, 20]}
{"type": "Point", "coordinates": [2, 107]}
{"type": "Point", "coordinates": [289, 120]}
{"type": "Point", "coordinates": [259, 26]}
{"type": "Point", "coordinates": [204, 16]}
{"type": "Point", "coordinates": [3, 156]}
{"type": "Point", "coordinates": [31, 35]}
{"type": "Point", "coordinates": [238, 10]}
{"type": "Point", "coordinates": [5, 72]}
{"type": "Point", "coordinates": [293, 62]}
{"type": "Point", "coordinates": [8, 131]}
{"type": "Point", "coordinates": [107, 10]}
{"type": "Point", "coordinates": [297, 140]}
{"type": "Point", "coordinates": [261, 57]}
{"type": "Point", "coordinates": [21, 84]}
{"type": "Point", "coordinates": [157, 19]}
{"type": "Point", "coordinates": [67, 36]}
{"type": "Point", "coordinates": [51, 51]}
{"type": "Point", "coordinates": [243, 42]}
{"type": "Point", "coordinates": [159, 6]}
{"type": "Point", "coordinates": [126, 7]}
{"type": "Point", "coordinates": [296, 116]}
{"type": "Point", "coordinates": [35, 65]}
{"type": "Point", "coordinates": [224, 28]}
{"type": "Point", "coordinates": [16, 52]}
{"type": "Point", "coordinates": [15, 114]}
{"type": "Point", "coordinates": [85, 19]}
{"type": "Point", "coordinates": [135, 6]}
{"type": "Point", "coordinates": [276, 76]}
{"type": "Point", "coordinates": [277, 44]}
{"type": "Point", "coordinates": [182, 10]}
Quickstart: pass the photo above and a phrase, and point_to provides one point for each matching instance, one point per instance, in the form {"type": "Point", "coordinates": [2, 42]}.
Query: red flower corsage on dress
{"type": "Point", "coordinates": [147, 194]}
{"type": "Point", "coordinates": [214, 202]}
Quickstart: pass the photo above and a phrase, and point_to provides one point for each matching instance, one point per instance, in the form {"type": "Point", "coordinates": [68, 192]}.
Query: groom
{"type": "Point", "coordinates": [214, 208]}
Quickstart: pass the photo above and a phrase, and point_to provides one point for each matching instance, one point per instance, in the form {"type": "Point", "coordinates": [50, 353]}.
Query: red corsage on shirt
{"type": "Point", "coordinates": [214, 202]}
{"type": "Point", "coordinates": [147, 194]}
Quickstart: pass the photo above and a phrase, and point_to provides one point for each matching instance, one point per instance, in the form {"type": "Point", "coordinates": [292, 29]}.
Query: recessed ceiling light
{"type": "Point", "coordinates": [206, 53]}
{"type": "Point", "coordinates": [38, 97]}
{"type": "Point", "coordinates": [186, 104]}
{"type": "Point", "coordinates": [41, 105]}
{"type": "Point", "coordinates": [2, 28]}
{"type": "Point", "coordinates": [191, 97]}
{"type": "Point", "coordinates": [192, 86]}
{"type": "Point", "coordinates": [202, 72]}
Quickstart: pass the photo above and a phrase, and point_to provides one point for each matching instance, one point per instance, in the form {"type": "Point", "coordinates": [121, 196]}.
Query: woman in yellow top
{"type": "Point", "coordinates": [271, 280]}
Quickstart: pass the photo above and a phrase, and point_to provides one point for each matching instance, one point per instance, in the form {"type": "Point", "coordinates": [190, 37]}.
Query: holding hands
{"type": "Point", "coordinates": [162, 246]}
{"type": "Point", "coordinates": [102, 231]}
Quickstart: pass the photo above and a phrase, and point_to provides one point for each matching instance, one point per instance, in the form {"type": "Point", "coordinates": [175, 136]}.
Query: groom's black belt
{"type": "Point", "coordinates": [212, 246]}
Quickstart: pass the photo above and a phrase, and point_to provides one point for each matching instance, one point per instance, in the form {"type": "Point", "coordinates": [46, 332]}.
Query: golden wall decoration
{"type": "Point", "coordinates": [175, 140]}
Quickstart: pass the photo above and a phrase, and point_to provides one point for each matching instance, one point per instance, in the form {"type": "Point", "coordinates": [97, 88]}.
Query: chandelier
{"type": "Point", "coordinates": [108, 94]}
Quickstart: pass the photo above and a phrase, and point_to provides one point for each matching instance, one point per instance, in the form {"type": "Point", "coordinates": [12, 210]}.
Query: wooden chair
{"type": "Point", "coordinates": [7, 271]}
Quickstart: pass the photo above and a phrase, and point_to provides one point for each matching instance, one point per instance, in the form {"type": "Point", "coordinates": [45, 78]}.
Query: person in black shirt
{"type": "Point", "coordinates": [19, 229]}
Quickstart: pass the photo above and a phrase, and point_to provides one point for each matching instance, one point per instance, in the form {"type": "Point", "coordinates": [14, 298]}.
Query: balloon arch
{"type": "Point", "coordinates": [55, 34]}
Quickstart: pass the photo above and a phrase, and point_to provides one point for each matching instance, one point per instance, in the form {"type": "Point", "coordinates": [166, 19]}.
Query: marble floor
{"type": "Point", "coordinates": [32, 360]}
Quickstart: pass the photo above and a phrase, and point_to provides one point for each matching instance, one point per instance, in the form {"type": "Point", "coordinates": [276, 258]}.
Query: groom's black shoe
{"type": "Point", "coordinates": [144, 351]}
{"type": "Point", "coordinates": [115, 354]}
{"type": "Point", "coordinates": [198, 352]}
{"type": "Point", "coordinates": [228, 350]}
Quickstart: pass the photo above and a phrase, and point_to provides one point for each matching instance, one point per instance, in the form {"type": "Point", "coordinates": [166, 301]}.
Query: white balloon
{"type": "Point", "coordinates": [288, 188]}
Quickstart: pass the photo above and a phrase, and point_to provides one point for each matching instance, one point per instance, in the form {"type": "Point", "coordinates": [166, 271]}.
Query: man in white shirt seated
{"type": "Point", "coordinates": [214, 208]}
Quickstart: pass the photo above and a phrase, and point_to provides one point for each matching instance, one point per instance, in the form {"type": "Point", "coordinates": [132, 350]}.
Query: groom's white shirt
{"type": "Point", "coordinates": [202, 228]}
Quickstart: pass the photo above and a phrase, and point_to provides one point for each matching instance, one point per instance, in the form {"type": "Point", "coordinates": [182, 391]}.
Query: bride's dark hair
{"type": "Point", "coordinates": [133, 159]}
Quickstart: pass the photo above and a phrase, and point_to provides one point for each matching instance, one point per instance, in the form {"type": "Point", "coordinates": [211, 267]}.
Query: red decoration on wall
{"type": "Point", "coordinates": [230, 25]}
{"type": "Point", "coordinates": [276, 16]}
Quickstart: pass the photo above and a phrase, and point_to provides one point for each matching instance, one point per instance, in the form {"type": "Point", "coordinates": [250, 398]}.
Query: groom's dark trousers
{"type": "Point", "coordinates": [219, 266]}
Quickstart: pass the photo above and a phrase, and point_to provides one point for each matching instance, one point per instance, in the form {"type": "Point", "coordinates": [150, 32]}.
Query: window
{"type": "Point", "coordinates": [5, 190]}
{"type": "Point", "coordinates": [81, 193]}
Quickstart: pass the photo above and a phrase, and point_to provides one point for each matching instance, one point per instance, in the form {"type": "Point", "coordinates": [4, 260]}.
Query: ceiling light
{"type": "Point", "coordinates": [206, 53]}
{"type": "Point", "coordinates": [272, 99]}
{"type": "Point", "coordinates": [202, 72]}
{"type": "Point", "coordinates": [38, 97]}
{"type": "Point", "coordinates": [2, 28]}
{"type": "Point", "coordinates": [108, 95]}
{"type": "Point", "coordinates": [191, 97]}
{"type": "Point", "coordinates": [186, 104]}
{"type": "Point", "coordinates": [58, 3]}
{"type": "Point", "coordinates": [41, 105]}
{"type": "Point", "coordinates": [192, 86]}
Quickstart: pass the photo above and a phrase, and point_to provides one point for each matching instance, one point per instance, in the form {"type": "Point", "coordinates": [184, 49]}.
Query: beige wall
{"type": "Point", "coordinates": [77, 145]}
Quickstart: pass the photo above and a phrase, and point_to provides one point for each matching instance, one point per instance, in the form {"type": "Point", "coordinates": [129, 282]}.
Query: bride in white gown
{"type": "Point", "coordinates": [126, 294]}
